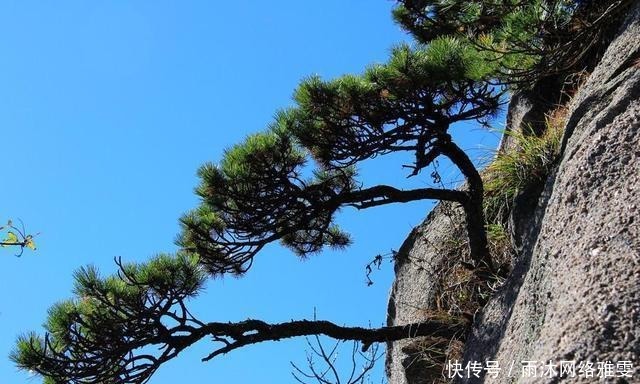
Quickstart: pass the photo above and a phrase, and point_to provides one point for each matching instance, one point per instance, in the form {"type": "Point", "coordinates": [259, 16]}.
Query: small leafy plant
{"type": "Point", "coordinates": [14, 236]}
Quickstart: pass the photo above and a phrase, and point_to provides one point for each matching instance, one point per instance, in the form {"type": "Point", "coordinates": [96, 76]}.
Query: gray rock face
{"type": "Point", "coordinates": [419, 262]}
{"type": "Point", "coordinates": [574, 293]}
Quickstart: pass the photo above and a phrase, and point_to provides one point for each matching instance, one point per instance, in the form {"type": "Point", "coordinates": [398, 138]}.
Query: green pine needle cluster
{"type": "Point", "coordinates": [90, 333]}
{"type": "Point", "coordinates": [526, 39]}
{"type": "Point", "coordinates": [287, 183]}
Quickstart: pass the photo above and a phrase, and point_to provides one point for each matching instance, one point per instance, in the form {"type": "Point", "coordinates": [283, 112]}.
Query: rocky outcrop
{"type": "Point", "coordinates": [574, 291]}
{"type": "Point", "coordinates": [420, 260]}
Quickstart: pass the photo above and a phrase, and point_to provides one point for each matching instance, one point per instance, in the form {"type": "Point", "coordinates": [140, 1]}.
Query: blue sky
{"type": "Point", "coordinates": [107, 108]}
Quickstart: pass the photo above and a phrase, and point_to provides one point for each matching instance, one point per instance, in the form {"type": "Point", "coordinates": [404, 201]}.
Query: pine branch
{"type": "Point", "coordinates": [383, 194]}
{"type": "Point", "coordinates": [237, 335]}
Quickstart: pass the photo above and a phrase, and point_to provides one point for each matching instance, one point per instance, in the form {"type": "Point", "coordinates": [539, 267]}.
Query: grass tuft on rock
{"type": "Point", "coordinates": [527, 163]}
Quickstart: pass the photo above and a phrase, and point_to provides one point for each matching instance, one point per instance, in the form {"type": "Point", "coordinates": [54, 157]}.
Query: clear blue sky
{"type": "Point", "coordinates": [107, 108]}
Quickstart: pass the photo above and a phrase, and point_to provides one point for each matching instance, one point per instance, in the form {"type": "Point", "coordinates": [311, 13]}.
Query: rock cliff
{"type": "Point", "coordinates": [573, 292]}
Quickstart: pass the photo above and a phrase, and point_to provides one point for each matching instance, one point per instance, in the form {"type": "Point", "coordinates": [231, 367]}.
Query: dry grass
{"type": "Point", "coordinates": [429, 356]}
{"type": "Point", "coordinates": [460, 294]}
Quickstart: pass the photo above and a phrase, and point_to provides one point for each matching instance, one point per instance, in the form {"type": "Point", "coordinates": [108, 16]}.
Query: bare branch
{"type": "Point", "coordinates": [359, 360]}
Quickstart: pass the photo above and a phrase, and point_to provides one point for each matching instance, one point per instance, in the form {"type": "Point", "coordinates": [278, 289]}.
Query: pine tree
{"type": "Point", "coordinates": [528, 40]}
{"type": "Point", "coordinates": [288, 183]}
{"type": "Point", "coordinates": [259, 192]}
